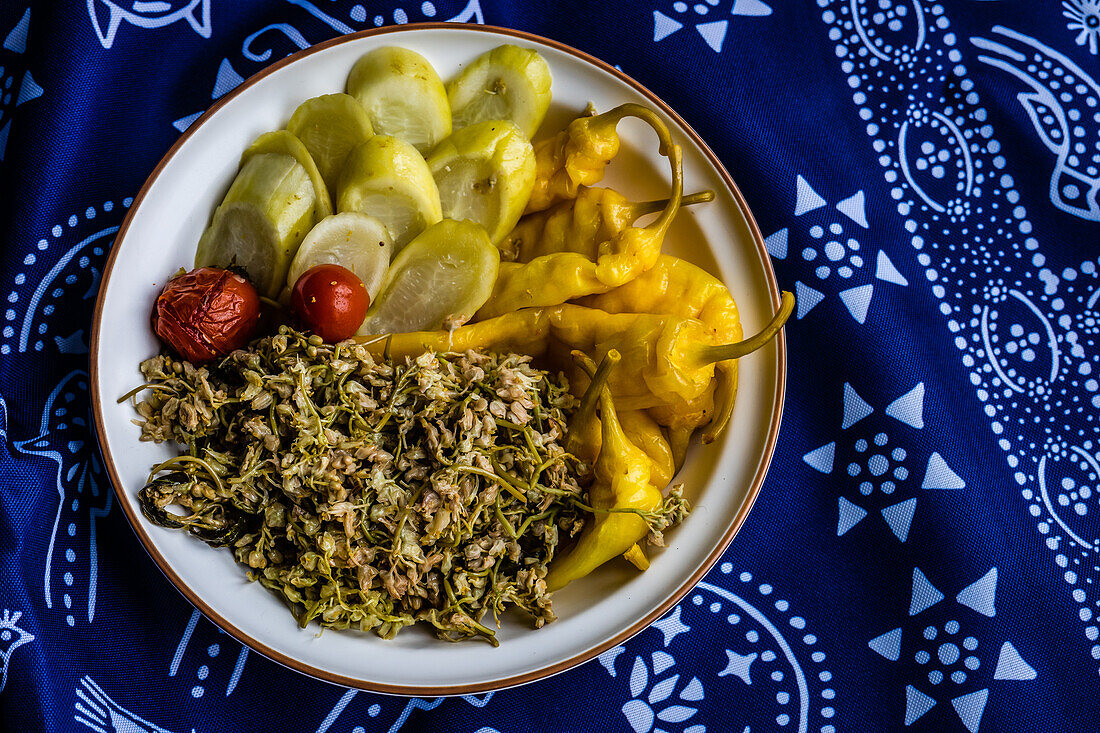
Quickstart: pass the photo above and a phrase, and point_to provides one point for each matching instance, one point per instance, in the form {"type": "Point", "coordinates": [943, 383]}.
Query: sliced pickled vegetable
{"type": "Point", "coordinates": [507, 83]}
{"type": "Point", "coordinates": [330, 126]}
{"type": "Point", "coordinates": [388, 179]}
{"type": "Point", "coordinates": [356, 241]}
{"type": "Point", "coordinates": [403, 96]}
{"type": "Point", "coordinates": [284, 142]}
{"type": "Point", "coordinates": [485, 173]}
{"type": "Point", "coordinates": [438, 281]}
{"type": "Point", "coordinates": [262, 221]}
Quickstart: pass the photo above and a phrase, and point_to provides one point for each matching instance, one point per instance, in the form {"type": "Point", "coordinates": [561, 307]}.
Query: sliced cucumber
{"type": "Point", "coordinates": [485, 173]}
{"type": "Point", "coordinates": [356, 241]}
{"type": "Point", "coordinates": [439, 280]}
{"type": "Point", "coordinates": [403, 96]}
{"type": "Point", "coordinates": [330, 126]}
{"type": "Point", "coordinates": [507, 83]}
{"type": "Point", "coordinates": [388, 179]}
{"type": "Point", "coordinates": [284, 142]}
{"type": "Point", "coordinates": [261, 222]}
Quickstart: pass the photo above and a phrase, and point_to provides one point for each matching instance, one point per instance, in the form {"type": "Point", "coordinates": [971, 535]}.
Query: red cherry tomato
{"type": "Point", "coordinates": [331, 301]}
{"type": "Point", "coordinates": [206, 313]}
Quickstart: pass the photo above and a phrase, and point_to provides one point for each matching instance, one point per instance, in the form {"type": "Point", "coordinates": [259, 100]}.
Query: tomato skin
{"type": "Point", "coordinates": [331, 301]}
{"type": "Point", "coordinates": [206, 313]}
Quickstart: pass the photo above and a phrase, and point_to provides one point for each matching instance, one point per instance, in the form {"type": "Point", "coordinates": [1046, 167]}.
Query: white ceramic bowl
{"type": "Point", "coordinates": [721, 480]}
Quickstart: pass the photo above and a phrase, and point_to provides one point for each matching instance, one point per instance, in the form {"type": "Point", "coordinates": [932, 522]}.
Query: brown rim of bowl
{"type": "Point", "coordinates": [641, 624]}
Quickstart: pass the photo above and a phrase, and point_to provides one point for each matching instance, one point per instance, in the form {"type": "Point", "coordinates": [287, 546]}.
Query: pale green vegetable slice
{"type": "Point", "coordinates": [506, 83]}
{"type": "Point", "coordinates": [261, 221]}
{"type": "Point", "coordinates": [485, 173]}
{"type": "Point", "coordinates": [356, 241]}
{"type": "Point", "coordinates": [403, 96]}
{"type": "Point", "coordinates": [388, 179]}
{"type": "Point", "coordinates": [330, 126]}
{"type": "Point", "coordinates": [285, 142]}
{"type": "Point", "coordinates": [438, 281]}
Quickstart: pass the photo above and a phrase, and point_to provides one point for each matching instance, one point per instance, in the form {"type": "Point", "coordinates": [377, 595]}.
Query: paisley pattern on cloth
{"type": "Point", "coordinates": [925, 554]}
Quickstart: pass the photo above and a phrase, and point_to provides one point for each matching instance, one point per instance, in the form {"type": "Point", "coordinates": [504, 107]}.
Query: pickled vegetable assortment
{"type": "Point", "coordinates": [420, 452]}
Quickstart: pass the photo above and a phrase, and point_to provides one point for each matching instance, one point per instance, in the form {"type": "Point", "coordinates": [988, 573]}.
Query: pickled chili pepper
{"type": "Point", "coordinates": [666, 359]}
{"type": "Point", "coordinates": [585, 440]}
{"type": "Point", "coordinates": [583, 437]}
{"type": "Point", "coordinates": [581, 224]}
{"type": "Point", "coordinates": [557, 277]}
{"type": "Point", "coordinates": [678, 288]}
{"type": "Point", "coordinates": [621, 494]}
{"type": "Point", "coordinates": [522, 332]}
{"type": "Point", "coordinates": [578, 155]}
{"type": "Point", "coordinates": [681, 419]}
{"type": "Point", "coordinates": [647, 434]}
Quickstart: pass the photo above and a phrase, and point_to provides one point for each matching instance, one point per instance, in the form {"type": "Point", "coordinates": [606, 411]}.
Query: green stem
{"type": "Point", "coordinates": [508, 528]}
{"type": "Point", "coordinates": [668, 149]}
{"type": "Point", "coordinates": [172, 462]}
{"type": "Point", "coordinates": [489, 475]}
{"type": "Point", "coordinates": [140, 387]}
{"type": "Point", "coordinates": [722, 352]}
{"type": "Point", "coordinates": [641, 208]}
{"type": "Point", "coordinates": [675, 161]}
{"type": "Point", "coordinates": [599, 376]}
{"type": "Point", "coordinates": [630, 109]}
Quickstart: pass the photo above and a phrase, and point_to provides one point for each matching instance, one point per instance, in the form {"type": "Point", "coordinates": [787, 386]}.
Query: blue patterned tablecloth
{"type": "Point", "coordinates": [925, 553]}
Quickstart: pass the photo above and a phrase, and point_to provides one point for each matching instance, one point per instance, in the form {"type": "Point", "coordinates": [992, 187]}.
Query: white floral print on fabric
{"type": "Point", "coordinates": [952, 651]}
{"type": "Point", "coordinates": [12, 67]}
{"type": "Point", "coordinates": [1084, 19]}
{"type": "Point", "coordinates": [259, 46]}
{"type": "Point", "coordinates": [768, 666]}
{"type": "Point", "coordinates": [11, 638]}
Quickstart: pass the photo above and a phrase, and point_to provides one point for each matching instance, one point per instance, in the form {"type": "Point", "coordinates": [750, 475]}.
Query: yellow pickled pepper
{"type": "Point", "coordinates": [581, 224]}
{"type": "Point", "coordinates": [666, 359]}
{"type": "Point", "coordinates": [521, 332]}
{"type": "Point", "coordinates": [622, 488]}
{"type": "Point", "coordinates": [584, 438]}
{"type": "Point", "coordinates": [578, 155]}
{"type": "Point", "coordinates": [559, 276]}
{"type": "Point", "coordinates": [676, 287]}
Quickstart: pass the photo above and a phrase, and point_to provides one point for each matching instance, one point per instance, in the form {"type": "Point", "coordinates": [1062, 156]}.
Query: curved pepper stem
{"type": "Point", "coordinates": [664, 221]}
{"type": "Point", "coordinates": [722, 352]}
{"type": "Point", "coordinates": [613, 116]}
{"type": "Point", "coordinates": [669, 149]}
{"type": "Point", "coordinates": [638, 209]}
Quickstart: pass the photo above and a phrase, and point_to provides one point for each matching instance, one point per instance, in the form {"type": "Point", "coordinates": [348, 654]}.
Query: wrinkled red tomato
{"type": "Point", "coordinates": [206, 313]}
{"type": "Point", "coordinates": [331, 301]}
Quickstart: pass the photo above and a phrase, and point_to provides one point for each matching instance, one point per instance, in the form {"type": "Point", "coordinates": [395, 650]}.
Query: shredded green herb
{"type": "Point", "coordinates": [370, 494]}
